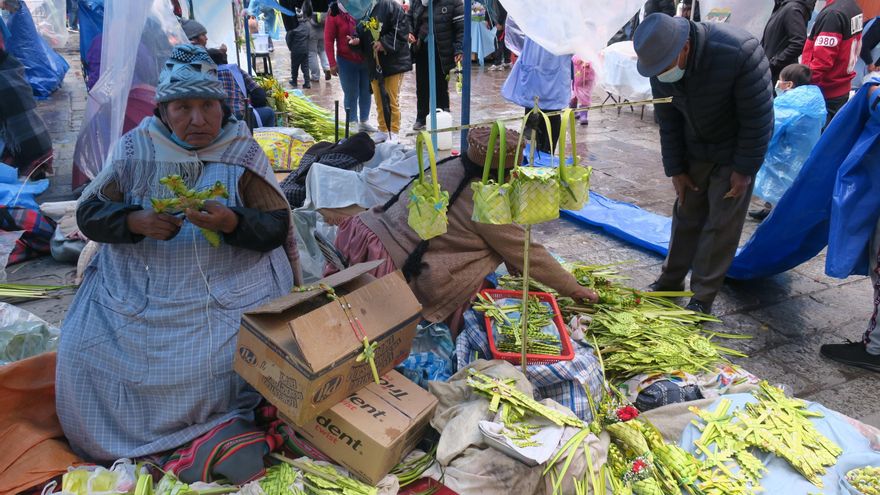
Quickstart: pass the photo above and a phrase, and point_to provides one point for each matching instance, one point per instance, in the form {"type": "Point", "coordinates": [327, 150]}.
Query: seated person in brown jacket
{"type": "Point", "coordinates": [446, 272]}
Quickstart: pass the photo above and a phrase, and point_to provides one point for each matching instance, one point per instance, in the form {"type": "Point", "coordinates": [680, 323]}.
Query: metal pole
{"type": "Point", "coordinates": [336, 120]}
{"type": "Point", "coordinates": [432, 72]}
{"type": "Point", "coordinates": [346, 123]}
{"type": "Point", "coordinates": [247, 47]}
{"type": "Point", "coordinates": [237, 51]}
{"type": "Point", "coordinates": [466, 75]}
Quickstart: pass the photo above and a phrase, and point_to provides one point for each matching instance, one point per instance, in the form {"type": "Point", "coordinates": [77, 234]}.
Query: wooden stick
{"type": "Point", "coordinates": [655, 101]}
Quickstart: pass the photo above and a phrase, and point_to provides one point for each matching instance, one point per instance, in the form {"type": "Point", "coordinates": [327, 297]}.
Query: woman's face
{"type": "Point", "coordinates": [196, 121]}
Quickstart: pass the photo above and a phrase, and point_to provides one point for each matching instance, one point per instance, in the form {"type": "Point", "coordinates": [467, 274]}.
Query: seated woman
{"type": "Point", "coordinates": [446, 272]}
{"type": "Point", "coordinates": [145, 362]}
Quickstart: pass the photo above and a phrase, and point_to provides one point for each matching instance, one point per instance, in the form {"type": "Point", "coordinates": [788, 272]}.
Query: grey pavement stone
{"type": "Point", "coordinates": [858, 399]}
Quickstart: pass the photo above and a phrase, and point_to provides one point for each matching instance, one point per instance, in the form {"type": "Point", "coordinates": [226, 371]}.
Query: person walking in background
{"type": "Point", "coordinates": [497, 18]}
{"type": "Point", "coordinates": [26, 142]}
{"type": "Point", "coordinates": [786, 34]}
{"type": "Point", "coordinates": [316, 12]}
{"type": "Point", "coordinates": [540, 73]}
{"type": "Point", "coordinates": [73, 15]}
{"type": "Point", "coordinates": [448, 35]}
{"type": "Point", "coordinates": [582, 87]}
{"type": "Point", "coordinates": [670, 8]}
{"type": "Point", "coordinates": [349, 65]}
{"type": "Point", "coordinates": [388, 58]}
{"type": "Point", "coordinates": [831, 51]}
{"type": "Point", "coordinates": [297, 39]}
{"type": "Point", "coordinates": [870, 53]}
{"type": "Point", "coordinates": [713, 138]}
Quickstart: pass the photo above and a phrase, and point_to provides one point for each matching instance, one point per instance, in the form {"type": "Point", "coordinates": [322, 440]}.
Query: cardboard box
{"type": "Point", "coordinates": [300, 351]}
{"type": "Point", "coordinates": [374, 428]}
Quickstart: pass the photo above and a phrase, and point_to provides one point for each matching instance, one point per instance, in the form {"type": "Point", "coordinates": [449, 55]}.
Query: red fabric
{"type": "Point", "coordinates": [337, 29]}
{"type": "Point", "coordinates": [832, 48]}
{"type": "Point", "coordinates": [359, 244]}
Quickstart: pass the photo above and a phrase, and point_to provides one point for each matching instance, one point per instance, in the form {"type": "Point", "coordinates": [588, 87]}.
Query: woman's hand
{"type": "Point", "coordinates": [154, 225]}
{"type": "Point", "coordinates": [354, 41]}
{"type": "Point", "coordinates": [586, 294]}
{"type": "Point", "coordinates": [215, 217]}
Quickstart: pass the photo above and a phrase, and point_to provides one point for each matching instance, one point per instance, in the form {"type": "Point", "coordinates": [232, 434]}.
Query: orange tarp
{"type": "Point", "coordinates": [33, 446]}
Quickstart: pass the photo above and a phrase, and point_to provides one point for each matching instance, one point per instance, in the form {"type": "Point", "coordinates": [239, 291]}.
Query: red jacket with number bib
{"type": "Point", "coordinates": [833, 47]}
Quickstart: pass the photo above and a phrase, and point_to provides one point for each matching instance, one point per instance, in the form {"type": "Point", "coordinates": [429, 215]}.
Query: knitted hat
{"type": "Point", "coordinates": [189, 73]}
{"type": "Point", "coordinates": [478, 147]}
{"type": "Point", "coordinates": [192, 29]}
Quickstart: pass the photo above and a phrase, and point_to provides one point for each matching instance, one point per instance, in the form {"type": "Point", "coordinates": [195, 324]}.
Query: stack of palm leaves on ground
{"type": "Point", "coordinates": [640, 332]}
{"type": "Point", "coordinates": [299, 110]}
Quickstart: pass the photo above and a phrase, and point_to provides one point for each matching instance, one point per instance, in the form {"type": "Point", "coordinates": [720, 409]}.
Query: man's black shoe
{"type": "Point", "coordinates": [760, 214]}
{"type": "Point", "coordinates": [660, 287]}
{"type": "Point", "coordinates": [699, 307]}
{"type": "Point", "coordinates": [851, 353]}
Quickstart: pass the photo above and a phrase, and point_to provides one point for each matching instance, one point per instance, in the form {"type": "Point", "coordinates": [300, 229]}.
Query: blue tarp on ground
{"type": "Point", "coordinates": [43, 67]}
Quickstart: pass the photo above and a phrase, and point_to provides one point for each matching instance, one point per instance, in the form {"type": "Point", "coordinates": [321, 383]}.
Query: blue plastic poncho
{"type": "Point", "coordinates": [539, 73]}
{"type": "Point", "coordinates": [358, 8]}
{"type": "Point", "coordinates": [799, 117]}
{"type": "Point", "coordinates": [856, 201]}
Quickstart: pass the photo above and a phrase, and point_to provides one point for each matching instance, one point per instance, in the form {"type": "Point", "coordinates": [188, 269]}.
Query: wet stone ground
{"type": "Point", "coordinates": [789, 315]}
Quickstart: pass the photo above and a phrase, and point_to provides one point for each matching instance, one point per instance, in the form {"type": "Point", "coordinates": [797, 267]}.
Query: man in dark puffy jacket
{"type": "Point", "coordinates": [448, 33]}
{"type": "Point", "coordinates": [713, 137]}
{"type": "Point", "coordinates": [786, 33]}
{"type": "Point", "coordinates": [832, 49]}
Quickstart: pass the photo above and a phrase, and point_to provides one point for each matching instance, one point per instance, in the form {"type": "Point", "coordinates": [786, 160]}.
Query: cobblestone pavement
{"type": "Point", "coordinates": [789, 315]}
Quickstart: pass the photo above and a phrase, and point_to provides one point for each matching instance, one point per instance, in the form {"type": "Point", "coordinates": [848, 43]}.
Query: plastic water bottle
{"type": "Point", "coordinates": [261, 24]}
{"type": "Point", "coordinates": [444, 120]}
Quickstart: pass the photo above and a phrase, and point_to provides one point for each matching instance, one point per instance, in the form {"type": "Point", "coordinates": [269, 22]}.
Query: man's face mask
{"type": "Point", "coordinates": [676, 73]}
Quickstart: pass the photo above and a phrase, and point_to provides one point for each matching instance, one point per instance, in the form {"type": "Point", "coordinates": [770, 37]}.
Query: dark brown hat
{"type": "Point", "coordinates": [478, 147]}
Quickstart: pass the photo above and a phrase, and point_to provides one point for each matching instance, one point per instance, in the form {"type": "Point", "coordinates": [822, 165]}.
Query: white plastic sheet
{"type": "Point", "coordinates": [218, 18]}
{"type": "Point", "coordinates": [581, 27]}
{"type": "Point", "coordinates": [620, 76]}
{"type": "Point", "coordinates": [137, 39]}
{"type": "Point", "coordinates": [50, 19]}
{"type": "Point", "coordinates": [751, 15]}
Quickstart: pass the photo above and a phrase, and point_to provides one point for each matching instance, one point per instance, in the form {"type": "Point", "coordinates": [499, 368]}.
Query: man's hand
{"type": "Point", "coordinates": [215, 217]}
{"type": "Point", "coordinates": [411, 38]}
{"type": "Point", "coordinates": [586, 294]}
{"type": "Point", "coordinates": [334, 71]}
{"type": "Point", "coordinates": [683, 183]}
{"type": "Point", "coordinates": [354, 41]}
{"type": "Point", "coordinates": [739, 183]}
{"type": "Point", "coordinates": [154, 225]}
{"type": "Point", "coordinates": [458, 58]}
{"type": "Point", "coordinates": [873, 68]}
{"type": "Point", "coordinates": [377, 47]}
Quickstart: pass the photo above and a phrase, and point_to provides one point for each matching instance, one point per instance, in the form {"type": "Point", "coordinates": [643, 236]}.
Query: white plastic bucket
{"type": "Point", "coordinates": [444, 120]}
{"type": "Point", "coordinates": [261, 43]}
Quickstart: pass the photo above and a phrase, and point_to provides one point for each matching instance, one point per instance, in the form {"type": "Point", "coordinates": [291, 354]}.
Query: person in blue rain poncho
{"type": "Point", "coordinates": [799, 114]}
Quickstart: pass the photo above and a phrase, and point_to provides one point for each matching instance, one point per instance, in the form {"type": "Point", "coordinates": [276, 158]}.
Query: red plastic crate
{"type": "Point", "coordinates": [567, 349]}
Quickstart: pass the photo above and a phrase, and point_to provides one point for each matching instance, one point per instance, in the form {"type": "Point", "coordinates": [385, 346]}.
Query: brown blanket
{"type": "Point", "coordinates": [34, 449]}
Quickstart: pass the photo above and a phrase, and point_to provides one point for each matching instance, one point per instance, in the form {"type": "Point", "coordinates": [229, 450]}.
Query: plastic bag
{"type": "Point", "coordinates": [750, 15]}
{"type": "Point", "coordinates": [581, 27]}
{"type": "Point", "coordinates": [427, 203]}
{"type": "Point", "coordinates": [799, 118]}
{"type": "Point", "coordinates": [492, 199]}
{"type": "Point", "coordinates": [43, 68]}
{"type": "Point", "coordinates": [50, 20]}
{"type": "Point", "coordinates": [23, 335]}
{"type": "Point", "coordinates": [98, 480]}
{"type": "Point", "coordinates": [135, 44]}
